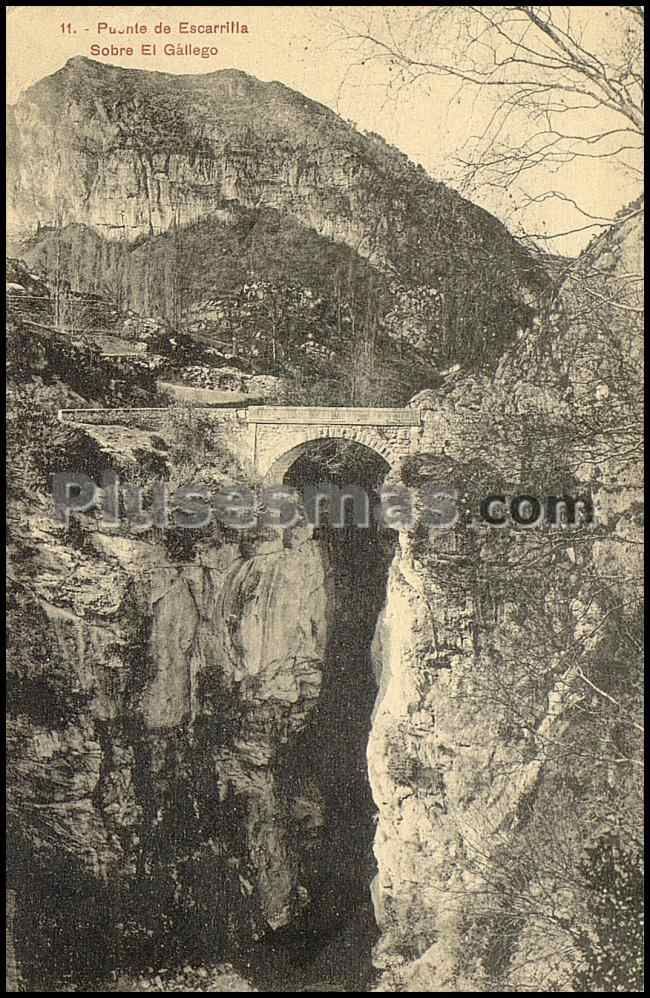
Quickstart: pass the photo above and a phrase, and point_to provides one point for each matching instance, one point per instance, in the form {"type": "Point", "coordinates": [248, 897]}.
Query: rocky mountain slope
{"type": "Point", "coordinates": [172, 190]}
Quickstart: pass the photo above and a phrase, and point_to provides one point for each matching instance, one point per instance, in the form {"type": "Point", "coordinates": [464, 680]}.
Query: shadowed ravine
{"type": "Point", "coordinates": [331, 945]}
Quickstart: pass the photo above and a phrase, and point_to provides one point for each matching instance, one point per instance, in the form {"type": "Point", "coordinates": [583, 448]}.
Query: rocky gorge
{"type": "Point", "coordinates": [332, 759]}
{"type": "Point", "coordinates": [182, 745]}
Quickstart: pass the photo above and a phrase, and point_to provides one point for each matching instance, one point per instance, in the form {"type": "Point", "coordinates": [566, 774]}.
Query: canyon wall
{"type": "Point", "coordinates": [506, 748]}
{"type": "Point", "coordinates": [153, 693]}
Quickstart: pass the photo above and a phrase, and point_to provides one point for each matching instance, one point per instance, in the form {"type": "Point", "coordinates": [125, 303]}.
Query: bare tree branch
{"type": "Point", "coordinates": [540, 65]}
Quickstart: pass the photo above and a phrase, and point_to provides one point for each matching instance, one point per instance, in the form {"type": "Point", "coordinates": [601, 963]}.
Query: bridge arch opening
{"type": "Point", "coordinates": [328, 762]}
{"type": "Point", "coordinates": [355, 449]}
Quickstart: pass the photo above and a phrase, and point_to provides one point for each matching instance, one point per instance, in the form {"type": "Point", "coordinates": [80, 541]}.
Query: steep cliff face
{"type": "Point", "coordinates": [151, 702]}
{"type": "Point", "coordinates": [150, 151]}
{"type": "Point", "coordinates": [234, 648]}
{"type": "Point", "coordinates": [172, 191]}
{"type": "Point", "coordinates": [505, 753]}
{"type": "Point", "coordinates": [188, 722]}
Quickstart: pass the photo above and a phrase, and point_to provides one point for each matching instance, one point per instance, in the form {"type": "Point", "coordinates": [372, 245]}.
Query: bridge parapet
{"type": "Point", "coordinates": [255, 414]}
{"type": "Point", "coordinates": [332, 416]}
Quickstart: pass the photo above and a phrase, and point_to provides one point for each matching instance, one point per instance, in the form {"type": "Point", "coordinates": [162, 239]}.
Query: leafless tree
{"type": "Point", "coordinates": [70, 311]}
{"type": "Point", "coordinates": [563, 85]}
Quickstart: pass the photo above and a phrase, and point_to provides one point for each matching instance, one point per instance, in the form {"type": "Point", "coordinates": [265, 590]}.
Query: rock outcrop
{"type": "Point", "coordinates": [509, 667]}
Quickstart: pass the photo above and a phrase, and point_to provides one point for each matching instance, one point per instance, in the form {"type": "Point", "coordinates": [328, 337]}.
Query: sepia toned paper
{"type": "Point", "coordinates": [324, 426]}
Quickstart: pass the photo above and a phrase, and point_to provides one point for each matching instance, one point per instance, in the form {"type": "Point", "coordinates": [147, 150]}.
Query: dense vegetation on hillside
{"type": "Point", "coordinates": [295, 303]}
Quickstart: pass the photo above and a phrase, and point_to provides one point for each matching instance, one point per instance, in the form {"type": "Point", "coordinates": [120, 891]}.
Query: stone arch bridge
{"type": "Point", "coordinates": [271, 438]}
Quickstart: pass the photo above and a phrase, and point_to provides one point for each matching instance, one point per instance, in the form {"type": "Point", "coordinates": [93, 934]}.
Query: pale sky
{"type": "Point", "coordinates": [294, 45]}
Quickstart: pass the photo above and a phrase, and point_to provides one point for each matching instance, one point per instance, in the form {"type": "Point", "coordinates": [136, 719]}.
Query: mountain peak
{"type": "Point", "coordinates": [141, 156]}
{"type": "Point", "coordinates": [81, 76]}
{"type": "Point", "coordinates": [82, 62]}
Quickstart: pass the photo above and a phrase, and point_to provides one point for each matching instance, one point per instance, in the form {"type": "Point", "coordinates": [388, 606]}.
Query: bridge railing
{"type": "Point", "coordinates": [332, 416]}
{"type": "Point", "coordinates": [255, 414]}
